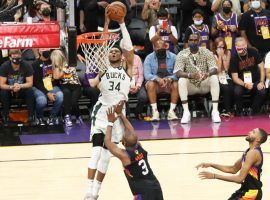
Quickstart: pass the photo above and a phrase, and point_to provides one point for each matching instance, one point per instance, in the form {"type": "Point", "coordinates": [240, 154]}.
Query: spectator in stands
{"type": "Point", "coordinates": [217, 6]}
{"type": "Point", "coordinates": [16, 81]}
{"type": "Point", "coordinates": [14, 15]}
{"type": "Point", "coordinates": [44, 12]}
{"type": "Point", "coordinates": [196, 69]}
{"type": "Point", "coordinates": [198, 27]}
{"type": "Point", "coordinates": [223, 57]}
{"type": "Point", "coordinates": [89, 14]}
{"type": "Point", "coordinates": [246, 5]}
{"type": "Point", "coordinates": [158, 72]}
{"type": "Point", "coordinates": [225, 24]}
{"type": "Point", "coordinates": [33, 12]}
{"type": "Point", "coordinates": [189, 5]}
{"type": "Point", "coordinates": [149, 14]}
{"type": "Point", "coordinates": [164, 30]}
{"type": "Point", "coordinates": [70, 85]}
{"type": "Point", "coordinates": [137, 88]}
{"type": "Point", "coordinates": [254, 27]}
{"type": "Point", "coordinates": [267, 70]}
{"type": "Point", "coordinates": [248, 74]}
{"type": "Point", "coordinates": [90, 92]}
{"type": "Point", "coordinates": [46, 89]}
{"type": "Point", "coordinates": [92, 15]}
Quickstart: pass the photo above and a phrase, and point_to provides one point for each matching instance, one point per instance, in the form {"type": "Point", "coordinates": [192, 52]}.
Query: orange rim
{"type": "Point", "coordinates": [88, 38]}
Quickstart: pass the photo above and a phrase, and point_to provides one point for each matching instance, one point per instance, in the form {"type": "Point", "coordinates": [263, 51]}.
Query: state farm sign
{"type": "Point", "coordinates": [35, 35]}
{"type": "Point", "coordinates": [9, 43]}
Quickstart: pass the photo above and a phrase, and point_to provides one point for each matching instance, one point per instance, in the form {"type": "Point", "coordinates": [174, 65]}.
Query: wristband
{"type": "Point", "coordinates": [110, 124]}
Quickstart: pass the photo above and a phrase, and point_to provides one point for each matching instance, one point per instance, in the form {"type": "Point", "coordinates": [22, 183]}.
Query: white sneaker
{"type": "Point", "coordinates": [171, 115]}
{"type": "Point", "coordinates": [155, 116]}
{"type": "Point", "coordinates": [186, 117]}
{"type": "Point", "coordinates": [216, 117]}
{"type": "Point", "coordinates": [89, 196]}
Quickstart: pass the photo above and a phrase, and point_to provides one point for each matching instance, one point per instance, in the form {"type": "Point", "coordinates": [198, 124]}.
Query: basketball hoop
{"type": "Point", "coordinates": [96, 47]}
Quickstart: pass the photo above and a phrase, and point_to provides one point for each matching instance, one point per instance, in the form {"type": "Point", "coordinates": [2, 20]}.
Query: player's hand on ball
{"type": "Point", "coordinates": [206, 175]}
{"type": "Point", "coordinates": [203, 165]}
{"type": "Point", "coordinates": [107, 18]}
{"type": "Point", "coordinates": [119, 107]}
{"type": "Point", "coordinates": [111, 115]}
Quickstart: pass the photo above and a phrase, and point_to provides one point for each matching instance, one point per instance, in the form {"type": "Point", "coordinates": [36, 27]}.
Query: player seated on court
{"type": "Point", "coordinates": [141, 179]}
{"type": "Point", "coordinates": [114, 85]}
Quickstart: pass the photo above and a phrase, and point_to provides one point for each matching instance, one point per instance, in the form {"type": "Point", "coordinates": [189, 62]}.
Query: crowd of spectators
{"type": "Point", "coordinates": [225, 53]}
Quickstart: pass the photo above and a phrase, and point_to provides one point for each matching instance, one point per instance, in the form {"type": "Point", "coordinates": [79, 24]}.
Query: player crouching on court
{"type": "Point", "coordinates": [114, 85]}
{"type": "Point", "coordinates": [141, 179]}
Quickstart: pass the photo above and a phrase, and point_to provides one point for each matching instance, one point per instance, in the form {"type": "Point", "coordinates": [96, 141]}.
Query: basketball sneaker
{"type": "Point", "coordinates": [186, 117]}
{"type": "Point", "coordinates": [68, 121]}
{"type": "Point", "coordinates": [215, 116]}
{"type": "Point", "coordinates": [155, 116]}
{"type": "Point", "coordinates": [90, 197]}
{"type": "Point", "coordinates": [172, 115]}
{"type": "Point", "coordinates": [79, 120]}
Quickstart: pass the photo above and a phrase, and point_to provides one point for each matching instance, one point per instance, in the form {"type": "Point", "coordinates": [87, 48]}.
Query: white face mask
{"type": "Point", "coordinates": [255, 4]}
{"type": "Point", "coordinates": [198, 22]}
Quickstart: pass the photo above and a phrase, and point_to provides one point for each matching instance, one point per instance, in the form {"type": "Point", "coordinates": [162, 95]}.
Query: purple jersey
{"type": "Point", "coordinates": [204, 33]}
{"type": "Point", "coordinates": [232, 21]}
{"type": "Point", "coordinates": [165, 36]}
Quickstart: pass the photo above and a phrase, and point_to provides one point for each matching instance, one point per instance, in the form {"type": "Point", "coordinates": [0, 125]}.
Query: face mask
{"type": "Point", "coordinates": [16, 61]}
{"type": "Point", "coordinates": [227, 10]}
{"type": "Point", "coordinates": [161, 53]}
{"type": "Point", "coordinates": [242, 51]}
{"type": "Point", "coordinates": [46, 54]}
{"type": "Point", "coordinates": [255, 4]}
{"type": "Point", "coordinates": [46, 12]}
{"type": "Point", "coordinates": [198, 22]}
{"type": "Point", "coordinates": [193, 47]}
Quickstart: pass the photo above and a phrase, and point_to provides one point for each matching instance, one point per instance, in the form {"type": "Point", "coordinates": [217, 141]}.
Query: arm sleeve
{"type": "Point", "coordinates": [179, 63]}
{"type": "Point", "coordinates": [147, 70]}
{"type": "Point", "coordinates": [233, 66]}
{"type": "Point", "coordinates": [152, 32]}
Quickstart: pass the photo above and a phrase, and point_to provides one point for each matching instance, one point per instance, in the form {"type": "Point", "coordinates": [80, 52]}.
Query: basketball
{"type": "Point", "coordinates": [117, 10]}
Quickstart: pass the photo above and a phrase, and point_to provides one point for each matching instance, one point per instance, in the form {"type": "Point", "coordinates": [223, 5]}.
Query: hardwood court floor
{"type": "Point", "coordinates": [58, 172]}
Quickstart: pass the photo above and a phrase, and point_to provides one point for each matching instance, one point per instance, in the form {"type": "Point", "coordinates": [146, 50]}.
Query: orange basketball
{"type": "Point", "coordinates": [117, 10]}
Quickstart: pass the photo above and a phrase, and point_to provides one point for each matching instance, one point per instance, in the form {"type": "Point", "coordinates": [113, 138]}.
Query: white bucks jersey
{"type": "Point", "coordinates": [114, 86]}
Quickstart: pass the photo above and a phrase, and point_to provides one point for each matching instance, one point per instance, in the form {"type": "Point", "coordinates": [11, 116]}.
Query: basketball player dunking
{"type": "Point", "coordinates": [114, 86]}
{"type": "Point", "coordinates": [250, 167]}
{"type": "Point", "coordinates": [141, 179]}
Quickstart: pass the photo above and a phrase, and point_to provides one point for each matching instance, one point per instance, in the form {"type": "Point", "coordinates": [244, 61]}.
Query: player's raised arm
{"type": "Point", "coordinates": [233, 169]}
{"type": "Point", "coordinates": [127, 124]}
{"type": "Point", "coordinates": [112, 147]}
{"type": "Point", "coordinates": [127, 46]}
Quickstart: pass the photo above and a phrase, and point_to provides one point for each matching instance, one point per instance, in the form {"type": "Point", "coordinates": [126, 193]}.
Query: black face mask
{"type": "Point", "coordinates": [227, 9]}
{"type": "Point", "coordinates": [193, 47]}
{"type": "Point", "coordinates": [46, 54]}
{"type": "Point", "coordinates": [46, 12]}
{"type": "Point", "coordinates": [16, 61]}
{"type": "Point", "coordinates": [161, 53]}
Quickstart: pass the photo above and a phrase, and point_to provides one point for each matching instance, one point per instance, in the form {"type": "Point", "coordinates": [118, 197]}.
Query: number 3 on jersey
{"type": "Point", "coordinates": [114, 86]}
{"type": "Point", "coordinates": [143, 165]}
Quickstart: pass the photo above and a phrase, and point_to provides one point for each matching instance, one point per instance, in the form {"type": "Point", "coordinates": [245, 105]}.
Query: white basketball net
{"type": "Point", "coordinates": [96, 51]}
